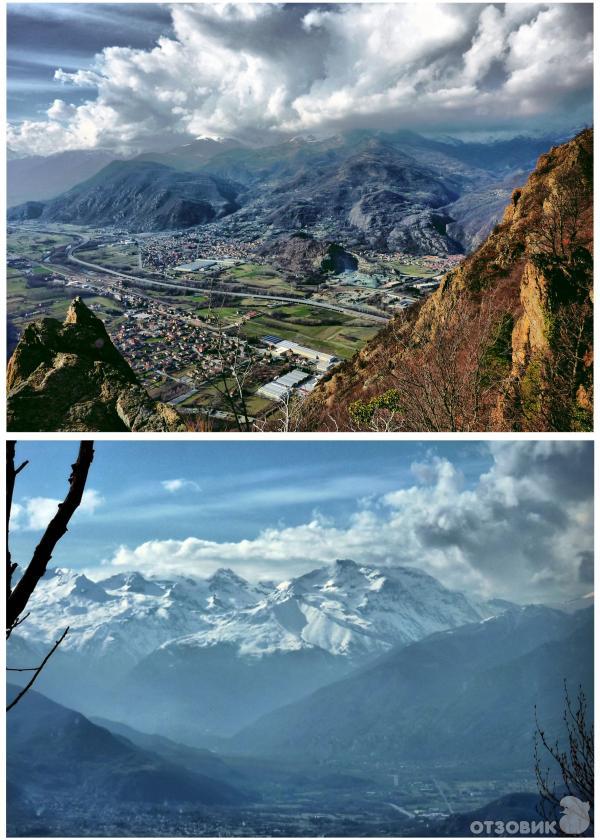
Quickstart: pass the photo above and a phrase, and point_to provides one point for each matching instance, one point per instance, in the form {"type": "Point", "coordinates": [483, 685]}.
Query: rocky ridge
{"type": "Point", "coordinates": [71, 377]}
{"type": "Point", "coordinates": [506, 341]}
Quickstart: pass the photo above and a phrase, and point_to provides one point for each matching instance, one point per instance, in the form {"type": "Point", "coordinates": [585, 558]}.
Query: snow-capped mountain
{"type": "Point", "coordinates": [346, 609]}
{"type": "Point", "coordinates": [357, 610]}
{"type": "Point", "coordinates": [192, 657]}
{"type": "Point", "coordinates": [127, 616]}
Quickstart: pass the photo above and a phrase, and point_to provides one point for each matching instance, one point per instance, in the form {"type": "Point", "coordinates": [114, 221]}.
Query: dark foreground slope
{"type": "Point", "coordinates": [466, 696]}
{"type": "Point", "coordinates": [70, 377]}
{"type": "Point", "coordinates": [506, 341]}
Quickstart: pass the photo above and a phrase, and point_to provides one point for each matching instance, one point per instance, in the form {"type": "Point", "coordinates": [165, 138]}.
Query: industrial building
{"type": "Point", "coordinates": [283, 347]}
{"type": "Point", "coordinates": [197, 265]}
{"type": "Point", "coordinates": [280, 388]}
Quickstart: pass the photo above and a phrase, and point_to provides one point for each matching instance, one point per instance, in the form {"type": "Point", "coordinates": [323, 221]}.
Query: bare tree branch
{"type": "Point", "coordinates": [57, 527]}
{"type": "Point", "coordinates": [37, 670]}
{"type": "Point", "coordinates": [11, 474]}
{"type": "Point", "coordinates": [574, 763]}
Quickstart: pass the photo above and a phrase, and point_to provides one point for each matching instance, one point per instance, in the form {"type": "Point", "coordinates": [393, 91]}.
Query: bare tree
{"type": "Point", "coordinates": [287, 416]}
{"type": "Point", "coordinates": [17, 597]}
{"type": "Point", "coordinates": [236, 364]}
{"type": "Point", "coordinates": [443, 376]}
{"type": "Point", "coordinates": [236, 372]}
{"type": "Point", "coordinates": [572, 764]}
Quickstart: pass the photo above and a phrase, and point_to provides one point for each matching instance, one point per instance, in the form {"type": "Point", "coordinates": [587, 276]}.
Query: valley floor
{"type": "Point", "coordinates": [387, 805]}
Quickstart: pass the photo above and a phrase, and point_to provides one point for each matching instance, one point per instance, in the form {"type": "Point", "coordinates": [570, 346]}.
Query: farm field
{"type": "Point", "coordinates": [335, 333]}
{"type": "Point", "coordinates": [262, 277]}
{"type": "Point", "coordinates": [24, 243]}
{"type": "Point", "coordinates": [118, 257]}
{"type": "Point", "coordinates": [410, 269]}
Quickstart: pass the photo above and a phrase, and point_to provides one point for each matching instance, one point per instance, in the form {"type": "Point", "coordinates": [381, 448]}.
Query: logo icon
{"type": "Point", "coordinates": [576, 817]}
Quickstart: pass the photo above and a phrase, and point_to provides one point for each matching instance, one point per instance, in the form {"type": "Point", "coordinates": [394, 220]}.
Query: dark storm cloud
{"type": "Point", "coordinates": [586, 566]}
{"type": "Point", "coordinates": [42, 37]}
{"type": "Point", "coordinates": [84, 29]}
{"type": "Point", "coordinates": [270, 69]}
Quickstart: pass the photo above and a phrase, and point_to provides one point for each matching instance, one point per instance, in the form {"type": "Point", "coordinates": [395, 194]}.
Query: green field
{"type": "Point", "coordinates": [26, 304]}
{"type": "Point", "coordinates": [24, 243]}
{"type": "Point", "coordinates": [410, 270]}
{"type": "Point", "coordinates": [338, 334]}
{"type": "Point", "coordinates": [210, 396]}
{"type": "Point", "coordinates": [330, 332]}
{"type": "Point", "coordinates": [117, 257]}
{"type": "Point", "coordinates": [261, 277]}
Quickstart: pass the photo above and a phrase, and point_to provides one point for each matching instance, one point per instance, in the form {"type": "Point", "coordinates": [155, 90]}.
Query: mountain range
{"type": "Point", "coordinates": [398, 191]}
{"type": "Point", "coordinates": [233, 650]}
{"type": "Point", "coordinates": [469, 693]}
{"type": "Point", "coordinates": [38, 178]}
{"type": "Point", "coordinates": [309, 692]}
{"type": "Point", "coordinates": [73, 752]}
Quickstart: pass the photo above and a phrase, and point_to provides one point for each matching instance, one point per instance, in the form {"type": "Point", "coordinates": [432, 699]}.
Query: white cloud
{"type": "Point", "coordinates": [523, 531]}
{"type": "Point", "coordinates": [91, 500]}
{"type": "Point", "coordinates": [175, 485]}
{"type": "Point", "coordinates": [238, 69]}
{"type": "Point", "coordinates": [34, 513]}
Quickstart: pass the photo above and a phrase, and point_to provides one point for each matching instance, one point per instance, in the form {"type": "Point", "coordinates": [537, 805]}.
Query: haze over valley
{"type": "Point", "coordinates": [296, 690]}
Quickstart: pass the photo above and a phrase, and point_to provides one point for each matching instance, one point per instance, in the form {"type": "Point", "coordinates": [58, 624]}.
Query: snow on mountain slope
{"type": "Point", "coordinates": [355, 610]}
{"type": "Point", "coordinates": [345, 609]}
{"type": "Point", "coordinates": [127, 616]}
{"type": "Point", "coordinates": [194, 658]}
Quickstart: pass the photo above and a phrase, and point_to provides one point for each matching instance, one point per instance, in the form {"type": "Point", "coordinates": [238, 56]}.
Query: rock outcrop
{"type": "Point", "coordinates": [505, 343]}
{"type": "Point", "coordinates": [70, 377]}
{"type": "Point", "coordinates": [300, 254]}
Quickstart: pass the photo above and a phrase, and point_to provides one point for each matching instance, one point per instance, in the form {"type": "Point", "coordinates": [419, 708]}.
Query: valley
{"type": "Point", "coordinates": [180, 321]}
{"type": "Point", "coordinates": [238, 741]}
{"type": "Point", "coordinates": [295, 802]}
{"type": "Point", "coordinates": [236, 281]}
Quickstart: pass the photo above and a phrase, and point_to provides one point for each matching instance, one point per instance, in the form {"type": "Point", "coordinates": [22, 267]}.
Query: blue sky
{"type": "Point", "coordinates": [44, 36]}
{"type": "Point", "coordinates": [507, 520]}
{"type": "Point", "coordinates": [241, 487]}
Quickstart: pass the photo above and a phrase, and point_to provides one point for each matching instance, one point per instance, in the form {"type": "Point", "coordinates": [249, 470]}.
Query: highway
{"type": "Point", "coordinates": [253, 295]}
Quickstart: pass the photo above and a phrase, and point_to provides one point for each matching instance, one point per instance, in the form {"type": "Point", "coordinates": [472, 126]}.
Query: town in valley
{"type": "Point", "coordinates": [198, 314]}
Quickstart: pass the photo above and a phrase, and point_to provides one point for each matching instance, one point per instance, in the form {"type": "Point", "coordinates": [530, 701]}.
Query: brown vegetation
{"type": "Point", "coordinates": [506, 341]}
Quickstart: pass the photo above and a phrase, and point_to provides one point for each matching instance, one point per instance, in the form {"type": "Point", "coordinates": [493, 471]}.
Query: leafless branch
{"type": "Point", "coordinates": [57, 527]}
{"type": "Point", "coordinates": [37, 670]}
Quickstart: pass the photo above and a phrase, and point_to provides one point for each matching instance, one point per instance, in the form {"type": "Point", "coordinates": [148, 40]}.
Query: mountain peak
{"type": "Point", "coordinates": [78, 313]}
{"type": "Point", "coordinates": [131, 582]}
{"type": "Point", "coordinates": [70, 376]}
{"type": "Point", "coordinates": [225, 574]}
{"type": "Point", "coordinates": [344, 563]}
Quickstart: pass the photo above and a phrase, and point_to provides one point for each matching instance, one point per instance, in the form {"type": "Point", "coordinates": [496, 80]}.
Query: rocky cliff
{"type": "Point", "coordinates": [70, 377]}
{"type": "Point", "coordinates": [301, 255]}
{"type": "Point", "coordinates": [506, 341]}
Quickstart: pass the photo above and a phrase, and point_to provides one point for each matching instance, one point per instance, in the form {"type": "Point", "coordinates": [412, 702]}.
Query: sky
{"type": "Point", "coordinates": [498, 519]}
{"type": "Point", "coordinates": [126, 77]}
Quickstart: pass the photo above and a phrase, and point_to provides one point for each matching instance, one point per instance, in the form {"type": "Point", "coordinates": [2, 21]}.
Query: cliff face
{"type": "Point", "coordinates": [506, 341]}
{"type": "Point", "coordinates": [70, 377]}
